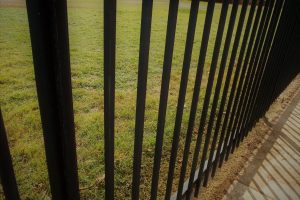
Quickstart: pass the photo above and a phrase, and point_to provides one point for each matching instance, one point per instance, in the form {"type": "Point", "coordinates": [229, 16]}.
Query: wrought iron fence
{"type": "Point", "coordinates": [267, 61]}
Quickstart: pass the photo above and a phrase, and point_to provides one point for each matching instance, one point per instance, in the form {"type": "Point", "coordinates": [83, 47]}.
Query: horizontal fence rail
{"type": "Point", "coordinates": [255, 56]}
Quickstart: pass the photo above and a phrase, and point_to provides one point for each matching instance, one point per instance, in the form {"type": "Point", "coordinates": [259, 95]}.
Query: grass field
{"type": "Point", "coordinates": [18, 98]}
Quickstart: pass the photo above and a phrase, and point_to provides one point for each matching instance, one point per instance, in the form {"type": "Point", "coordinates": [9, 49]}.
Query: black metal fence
{"type": "Point", "coordinates": [267, 61]}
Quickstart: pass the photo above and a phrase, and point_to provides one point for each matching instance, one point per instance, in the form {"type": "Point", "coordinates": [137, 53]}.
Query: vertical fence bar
{"type": "Point", "coordinates": [233, 98]}
{"type": "Point", "coordinates": [169, 46]}
{"type": "Point", "coordinates": [245, 133]}
{"type": "Point", "coordinates": [281, 42]}
{"type": "Point", "coordinates": [289, 31]}
{"type": "Point", "coordinates": [234, 83]}
{"type": "Point", "coordinates": [251, 86]}
{"type": "Point", "coordinates": [284, 56]}
{"type": "Point", "coordinates": [262, 65]}
{"type": "Point", "coordinates": [222, 20]}
{"type": "Point", "coordinates": [7, 175]}
{"type": "Point", "coordinates": [238, 101]}
{"type": "Point", "coordinates": [281, 83]}
{"type": "Point", "coordinates": [50, 48]}
{"type": "Point", "coordinates": [182, 92]}
{"type": "Point", "coordinates": [267, 73]}
{"type": "Point", "coordinates": [231, 128]}
{"type": "Point", "coordinates": [204, 43]}
{"type": "Point", "coordinates": [141, 94]}
{"type": "Point", "coordinates": [109, 93]}
{"type": "Point", "coordinates": [206, 104]}
{"type": "Point", "coordinates": [229, 73]}
{"type": "Point", "coordinates": [218, 86]}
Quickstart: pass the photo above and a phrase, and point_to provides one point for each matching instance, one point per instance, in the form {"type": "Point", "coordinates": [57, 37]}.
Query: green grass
{"type": "Point", "coordinates": [18, 98]}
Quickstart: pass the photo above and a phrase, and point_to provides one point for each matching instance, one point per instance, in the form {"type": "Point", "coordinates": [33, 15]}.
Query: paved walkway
{"type": "Point", "coordinates": [274, 172]}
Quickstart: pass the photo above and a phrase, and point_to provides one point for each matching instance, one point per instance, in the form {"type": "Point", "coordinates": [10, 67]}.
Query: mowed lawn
{"type": "Point", "coordinates": [18, 98]}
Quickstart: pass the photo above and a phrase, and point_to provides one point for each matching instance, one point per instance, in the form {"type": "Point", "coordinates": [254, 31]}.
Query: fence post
{"type": "Point", "coordinates": [109, 93]}
{"type": "Point", "coordinates": [50, 48]}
